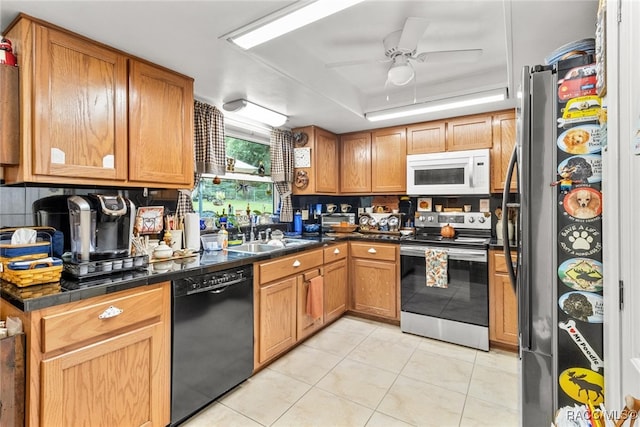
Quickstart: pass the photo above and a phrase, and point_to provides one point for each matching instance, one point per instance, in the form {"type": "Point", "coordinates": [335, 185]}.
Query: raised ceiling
{"type": "Point", "coordinates": [297, 74]}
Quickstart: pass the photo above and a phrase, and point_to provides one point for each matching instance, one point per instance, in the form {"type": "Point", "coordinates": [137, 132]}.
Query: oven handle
{"type": "Point", "coordinates": [454, 254]}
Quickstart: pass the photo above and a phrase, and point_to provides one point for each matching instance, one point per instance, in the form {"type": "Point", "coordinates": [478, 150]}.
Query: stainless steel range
{"type": "Point", "coordinates": [458, 310]}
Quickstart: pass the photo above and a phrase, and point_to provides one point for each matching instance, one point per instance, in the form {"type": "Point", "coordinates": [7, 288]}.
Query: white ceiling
{"type": "Point", "coordinates": [290, 74]}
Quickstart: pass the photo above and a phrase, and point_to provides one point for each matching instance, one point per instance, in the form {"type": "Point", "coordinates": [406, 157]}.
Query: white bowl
{"type": "Point", "coordinates": [406, 231]}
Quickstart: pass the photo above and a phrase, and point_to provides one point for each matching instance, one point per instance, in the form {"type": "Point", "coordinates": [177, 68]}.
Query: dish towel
{"type": "Point", "coordinates": [314, 297]}
{"type": "Point", "coordinates": [436, 263]}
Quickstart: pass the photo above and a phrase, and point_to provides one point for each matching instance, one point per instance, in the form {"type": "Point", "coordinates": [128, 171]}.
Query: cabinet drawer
{"type": "Point", "coordinates": [335, 252]}
{"type": "Point", "coordinates": [283, 267]}
{"type": "Point", "coordinates": [499, 262]}
{"type": "Point", "coordinates": [373, 251]}
{"type": "Point", "coordinates": [81, 324]}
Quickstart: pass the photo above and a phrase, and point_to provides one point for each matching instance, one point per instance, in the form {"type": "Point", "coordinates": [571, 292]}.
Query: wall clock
{"type": "Point", "coordinates": [302, 157]}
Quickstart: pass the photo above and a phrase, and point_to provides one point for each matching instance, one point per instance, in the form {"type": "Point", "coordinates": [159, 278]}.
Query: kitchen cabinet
{"type": "Point", "coordinates": [454, 134]}
{"type": "Point", "coordinates": [87, 370]}
{"type": "Point", "coordinates": [503, 305]}
{"type": "Point", "coordinates": [9, 115]}
{"type": "Point", "coordinates": [336, 296]}
{"type": "Point", "coordinates": [375, 276]}
{"type": "Point", "coordinates": [280, 303]}
{"type": "Point", "coordinates": [429, 137]}
{"type": "Point", "coordinates": [323, 170]}
{"type": "Point", "coordinates": [355, 163]}
{"type": "Point", "coordinates": [374, 162]}
{"type": "Point", "coordinates": [95, 115]}
{"type": "Point", "coordinates": [504, 139]}
{"type": "Point", "coordinates": [469, 132]}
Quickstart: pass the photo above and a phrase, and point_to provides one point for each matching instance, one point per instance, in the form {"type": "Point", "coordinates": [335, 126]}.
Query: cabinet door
{"type": "Point", "coordinates": [277, 314]}
{"type": "Point", "coordinates": [160, 126]}
{"type": "Point", "coordinates": [335, 290]}
{"type": "Point", "coordinates": [326, 162]}
{"type": "Point", "coordinates": [306, 324]}
{"type": "Point", "coordinates": [426, 138]}
{"type": "Point", "coordinates": [505, 309]}
{"type": "Point", "coordinates": [355, 163]}
{"type": "Point", "coordinates": [80, 108]}
{"type": "Point", "coordinates": [389, 161]}
{"type": "Point", "coordinates": [504, 139]}
{"type": "Point", "coordinates": [119, 382]}
{"type": "Point", "coordinates": [374, 287]}
{"type": "Point", "coordinates": [469, 133]}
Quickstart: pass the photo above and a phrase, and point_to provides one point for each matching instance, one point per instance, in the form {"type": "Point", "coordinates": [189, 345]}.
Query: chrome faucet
{"type": "Point", "coordinates": [267, 234]}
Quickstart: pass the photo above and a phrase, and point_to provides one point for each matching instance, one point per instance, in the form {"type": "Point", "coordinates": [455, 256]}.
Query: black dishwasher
{"type": "Point", "coordinates": [212, 338]}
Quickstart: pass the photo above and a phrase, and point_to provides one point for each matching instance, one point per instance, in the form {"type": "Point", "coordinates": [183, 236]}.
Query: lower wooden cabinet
{"type": "Point", "coordinates": [336, 286]}
{"type": "Point", "coordinates": [503, 304]}
{"type": "Point", "coordinates": [277, 308]}
{"type": "Point", "coordinates": [86, 370]}
{"type": "Point", "coordinates": [374, 279]}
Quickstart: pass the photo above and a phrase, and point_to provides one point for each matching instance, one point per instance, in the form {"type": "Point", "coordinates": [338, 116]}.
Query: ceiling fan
{"type": "Point", "coordinates": [400, 48]}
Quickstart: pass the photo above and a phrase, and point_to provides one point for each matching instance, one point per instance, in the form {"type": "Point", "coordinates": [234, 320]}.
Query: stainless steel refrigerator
{"type": "Point", "coordinates": [558, 275]}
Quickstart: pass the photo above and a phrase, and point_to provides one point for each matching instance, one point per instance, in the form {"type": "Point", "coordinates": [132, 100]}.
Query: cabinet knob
{"type": "Point", "coordinates": [372, 251]}
{"type": "Point", "coordinates": [336, 251]}
{"type": "Point", "coordinates": [296, 263]}
{"type": "Point", "coordinates": [111, 311]}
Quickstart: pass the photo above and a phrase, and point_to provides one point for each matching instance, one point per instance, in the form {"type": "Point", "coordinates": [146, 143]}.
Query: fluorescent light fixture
{"type": "Point", "coordinates": [287, 20]}
{"type": "Point", "coordinates": [434, 106]}
{"type": "Point", "coordinates": [255, 112]}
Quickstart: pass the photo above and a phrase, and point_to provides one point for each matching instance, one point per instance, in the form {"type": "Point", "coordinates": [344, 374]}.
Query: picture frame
{"type": "Point", "coordinates": [424, 204]}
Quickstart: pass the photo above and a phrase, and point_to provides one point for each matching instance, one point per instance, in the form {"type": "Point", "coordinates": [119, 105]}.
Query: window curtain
{"type": "Point", "coordinates": [209, 150]}
{"type": "Point", "coordinates": [282, 170]}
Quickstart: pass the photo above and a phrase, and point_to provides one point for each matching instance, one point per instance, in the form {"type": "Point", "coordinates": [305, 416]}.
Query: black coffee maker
{"type": "Point", "coordinates": [101, 226]}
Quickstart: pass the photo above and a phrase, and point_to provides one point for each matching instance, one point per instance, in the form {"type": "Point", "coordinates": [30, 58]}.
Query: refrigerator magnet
{"type": "Point", "coordinates": [583, 306]}
{"type": "Point", "coordinates": [582, 139]}
{"type": "Point", "coordinates": [594, 360]}
{"type": "Point", "coordinates": [581, 274]}
{"type": "Point", "coordinates": [580, 240]}
{"type": "Point", "coordinates": [583, 203]}
{"type": "Point", "coordinates": [585, 169]}
{"type": "Point", "coordinates": [582, 385]}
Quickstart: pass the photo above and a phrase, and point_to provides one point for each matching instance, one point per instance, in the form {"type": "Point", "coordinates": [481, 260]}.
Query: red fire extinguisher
{"type": "Point", "coordinates": [6, 54]}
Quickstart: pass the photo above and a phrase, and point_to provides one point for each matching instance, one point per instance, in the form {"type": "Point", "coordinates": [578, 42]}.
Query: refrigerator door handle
{"type": "Point", "coordinates": [505, 230]}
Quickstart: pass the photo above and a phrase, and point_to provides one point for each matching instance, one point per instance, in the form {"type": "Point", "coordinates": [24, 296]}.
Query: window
{"type": "Point", "coordinates": [247, 183]}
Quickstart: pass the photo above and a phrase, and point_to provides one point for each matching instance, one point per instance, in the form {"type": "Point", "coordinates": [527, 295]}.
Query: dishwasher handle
{"type": "Point", "coordinates": [216, 288]}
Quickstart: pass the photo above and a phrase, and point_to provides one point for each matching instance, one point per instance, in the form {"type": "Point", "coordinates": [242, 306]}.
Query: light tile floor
{"type": "Point", "coordinates": [357, 373]}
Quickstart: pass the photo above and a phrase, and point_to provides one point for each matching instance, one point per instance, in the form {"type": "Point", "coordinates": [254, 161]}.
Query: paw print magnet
{"type": "Point", "coordinates": [580, 240]}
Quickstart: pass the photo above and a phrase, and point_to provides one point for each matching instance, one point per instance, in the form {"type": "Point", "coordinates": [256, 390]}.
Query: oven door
{"type": "Point", "coordinates": [464, 300]}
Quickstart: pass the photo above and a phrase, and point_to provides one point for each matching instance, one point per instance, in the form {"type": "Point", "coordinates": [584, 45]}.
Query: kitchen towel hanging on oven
{"type": "Point", "coordinates": [437, 260]}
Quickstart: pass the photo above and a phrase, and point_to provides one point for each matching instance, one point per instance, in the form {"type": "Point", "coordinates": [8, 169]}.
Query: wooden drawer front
{"type": "Point", "coordinates": [77, 325]}
{"type": "Point", "coordinates": [335, 252]}
{"type": "Point", "coordinates": [500, 263]}
{"type": "Point", "coordinates": [373, 251]}
{"type": "Point", "coordinates": [283, 267]}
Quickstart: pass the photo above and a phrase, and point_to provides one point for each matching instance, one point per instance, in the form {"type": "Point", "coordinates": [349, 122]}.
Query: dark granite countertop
{"type": "Point", "coordinates": [36, 297]}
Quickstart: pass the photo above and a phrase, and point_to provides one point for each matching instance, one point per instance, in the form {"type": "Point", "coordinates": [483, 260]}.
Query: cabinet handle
{"type": "Point", "coordinates": [336, 251]}
{"type": "Point", "coordinates": [296, 263]}
{"type": "Point", "coordinates": [110, 312]}
{"type": "Point", "coordinates": [372, 251]}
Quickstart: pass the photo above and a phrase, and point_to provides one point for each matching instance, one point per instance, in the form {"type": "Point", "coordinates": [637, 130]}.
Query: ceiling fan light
{"type": "Point", "coordinates": [400, 74]}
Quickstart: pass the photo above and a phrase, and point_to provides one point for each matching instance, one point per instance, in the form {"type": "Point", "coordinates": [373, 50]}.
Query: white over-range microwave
{"type": "Point", "coordinates": [452, 173]}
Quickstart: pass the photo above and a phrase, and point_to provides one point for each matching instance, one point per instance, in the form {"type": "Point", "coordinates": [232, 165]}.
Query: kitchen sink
{"type": "Point", "coordinates": [253, 248]}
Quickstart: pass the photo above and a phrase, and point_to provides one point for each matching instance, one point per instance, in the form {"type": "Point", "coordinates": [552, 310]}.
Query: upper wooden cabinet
{"type": "Point", "coordinates": [429, 137]}
{"type": "Point", "coordinates": [374, 162]}
{"type": "Point", "coordinates": [355, 163]}
{"type": "Point", "coordinates": [323, 171]}
{"type": "Point", "coordinates": [94, 115]}
{"type": "Point", "coordinates": [504, 139]}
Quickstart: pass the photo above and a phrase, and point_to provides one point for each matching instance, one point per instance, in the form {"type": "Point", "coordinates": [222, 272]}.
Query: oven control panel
{"type": "Point", "coordinates": [469, 220]}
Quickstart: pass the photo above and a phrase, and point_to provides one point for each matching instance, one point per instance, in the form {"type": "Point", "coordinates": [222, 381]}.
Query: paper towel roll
{"type": "Point", "coordinates": [192, 231]}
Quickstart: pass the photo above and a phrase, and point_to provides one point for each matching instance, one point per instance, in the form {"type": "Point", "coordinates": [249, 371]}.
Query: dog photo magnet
{"type": "Point", "coordinates": [587, 169]}
{"type": "Point", "coordinates": [581, 274]}
{"type": "Point", "coordinates": [584, 306]}
{"type": "Point", "coordinates": [583, 139]}
{"type": "Point", "coordinates": [583, 203]}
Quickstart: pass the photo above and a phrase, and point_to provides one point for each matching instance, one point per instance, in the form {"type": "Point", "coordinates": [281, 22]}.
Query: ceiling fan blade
{"type": "Point", "coordinates": [356, 62]}
{"type": "Point", "coordinates": [413, 30]}
{"type": "Point", "coordinates": [460, 55]}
